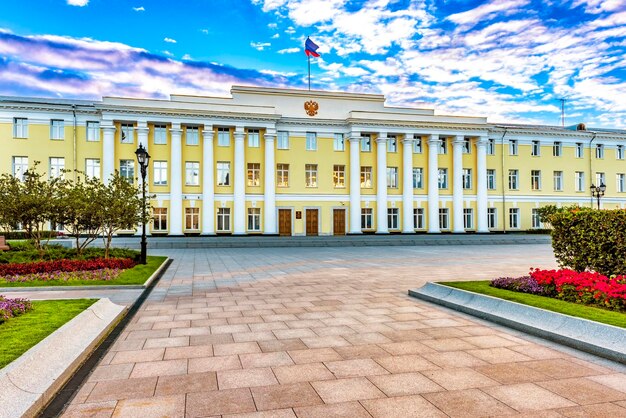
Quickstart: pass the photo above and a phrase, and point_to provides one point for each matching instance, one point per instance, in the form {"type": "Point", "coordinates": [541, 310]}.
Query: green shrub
{"type": "Point", "coordinates": [588, 239]}
{"type": "Point", "coordinates": [55, 252]}
{"type": "Point", "coordinates": [24, 234]}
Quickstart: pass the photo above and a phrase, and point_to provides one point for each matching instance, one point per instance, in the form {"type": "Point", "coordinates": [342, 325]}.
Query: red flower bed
{"type": "Point", "coordinates": [584, 287]}
{"type": "Point", "coordinates": [13, 269]}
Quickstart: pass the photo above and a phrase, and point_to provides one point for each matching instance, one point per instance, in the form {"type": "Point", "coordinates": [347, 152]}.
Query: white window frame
{"type": "Point", "coordinates": [535, 149]}
{"type": "Point", "coordinates": [57, 165]}
{"type": "Point", "coordinates": [444, 218]}
{"type": "Point", "coordinates": [491, 146]}
{"type": "Point", "coordinates": [468, 218]}
{"type": "Point", "coordinates": [192, 136]}
{"type": "Point", "coordinates": [339, 176]}
{"type": "Point", "coordinates": [599, 151]}
{"type": "Point", "coordinates": [619, 152]}
{"type": "Point", "coordinates": [579, 181]}
{"type": "Point", "coordinates": [20, 166]}
{"type": "Point", "coordinates": [392, 143]}
{"type": "Point", "coordinates": [417, 145]}
{"type": "Point", "coordinates": [159, 173]}
{"type": "Point", "coordinates": [557, 149]}
{"type": "Point", "coordinates": [467, 178]}
{"type": "Point", "coordinates": [367, 218]}
{"type": "Point", "coordinates": [192, 173]}
{"type": "Point", "coordinates": [392, 177]}
{"type": "Point", "coordinates": [492, 218]}
{"type": "Point", "coordinates": [418, 218]}
{"type": "Point", "coordinates": [580, 150]}
{"type": "Point", "coordinates": [282, 175]}
{"type": "Point", "coordinates": [535, 220]}
{"type": "Point", "coordinates": [600, 178]}
{"type": "Point", "coordinates": [514, 218]}
{"type": "Point", "coordinates": [223, 173]}
{"type": "Point", "coordinates": [535, 180]}
{"type": "Point", "coordinates": [513, 147]}
{"type": "Point", "coordinates": [127, 130]}
{"type": "Point", "coordinates": [310, 175]}
{"type": "Point", "coordinates": [282, 140]}
{"type": "Point", "coordinates": [467, 146]}
{"type": "Point", "coordinates": [92, 131]}
{"type": "Point", "coordinates": [442, 178]}
{"type": "Point", "coordinates": [393, 218]}
{"type": "Point", "coordinates": [223, 220]}
{"type": "Point", "coordinates": [160, 134]}
{"type": "Point", "coordinates": [366, 177]}
{"type": "Point", "coordinates": [513, 179]}
{"type": "Point", "coordinates": [366, 143]}
{"type": "Point", "coordinates": [127, 170]}
{"type": "Point", "coordinates": [418, 178]}
{"type": "Point", "coordinates": [254, 219]}
{"type": "Point", "coordinates": [339, 142]}
{"type": "Point", "coordinates": [20, 127]}
{"type": "Point", "coordinates": [92, 168]}
{"type": "Point", "coordinates": [491, 179]}
{"type": "Point", "coordinates": [311, 141]}
{"type": "Point", "coordinates": [620, 182]}
{"type": "Point", "coordinates": [159, 219]}
{"type": "Point", "coordinates": [253, 174]}
{"type": "Point", "coordinates": [254, 138]}
{"type": "Point", "coordinates": [57, 129]}
{"type": "Point", "coordinates": [223, 137]}
{"type": "Point", "coordinates": [442, 146]}
{"type": "Point", "coordinates": [192, 219]}
{"type": "Point", "coordinates": [558, 180]}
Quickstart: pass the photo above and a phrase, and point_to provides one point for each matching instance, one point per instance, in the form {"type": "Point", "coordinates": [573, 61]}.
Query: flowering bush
{"type": "Point", "coordinates": [10, 308]}
{"type": "Point", "coordinates": [102, 274]}
{"type": "Point", "coordinates": [13, 269]}
{"type": "Point", "coordinates": [524, 284]}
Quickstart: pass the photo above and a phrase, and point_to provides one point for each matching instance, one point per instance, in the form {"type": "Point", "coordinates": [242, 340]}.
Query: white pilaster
{"type": "Point", "coordinates": [176, 181]}
{"type": "Point", "coordinates": [481, 175]}
{"type": "Point", "coordinates": [407, 185]}
{"type": "Point", "coordinates": [239, 174]}
{"type": "Point", "coordinates": [433, 184]}
{"type": "Point", "coordinates": [381, 184]}
{"type": "Point", "coordinates": [355, 183]}
{"type": "Point", "coordinates": [142, 138]}
{"type": "Point", "coordinates": [270, 184]}
{"type": "Point", "coordinates": [457, 184]}
{"type": "Point", "coordinates": [108, 152]}
{"type": "Point", "coordinates": [208, 182]}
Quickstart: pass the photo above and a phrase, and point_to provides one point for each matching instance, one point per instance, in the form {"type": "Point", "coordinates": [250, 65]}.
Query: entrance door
{"type": "Point", "coordinates": [339, 222]}
{"type": "Point", "coordinates": [311, 222]}
{"type": "Point", "coordinates": [284, 222]}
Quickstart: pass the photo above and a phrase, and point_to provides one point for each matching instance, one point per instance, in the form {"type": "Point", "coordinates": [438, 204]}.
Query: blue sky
{"type": "Point", "coordinates": [509, 60]}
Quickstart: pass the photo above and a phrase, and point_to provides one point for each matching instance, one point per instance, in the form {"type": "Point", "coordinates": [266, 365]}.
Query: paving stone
{"type": "Point", "coordinates": [346, 390]}
{"type": "Point", "coordinates": [285, 396]}
{"type": "Point", "coordinates": [403, 406]}
{"type": "Point", "coordinates": [157, 406]}
{"type": "Point", "coordinates": [122, 389]}
{"type": "Point", "coordinates": [338, 410]}
{"type": "Point", "coordinates": [461, 378]}
{"type": "Point", "coordinates": [402, 384]}
{"type": "Point", "coordinates": [527, 397]}
{"type": "Point", "coordinates": [195, 382]}
{"type": "Point", "coordinates": [307, 372]}
{"type": "Point", "coordinates": [583, 391]}
{"type": "Point", "coordinates": [358, 367]}
{"type": "Point", "coordinates": [219, 402]}
{"type": "Point", "coordinates": [244, 378]}
{"type": "Point", "coordinates": [469, 402]}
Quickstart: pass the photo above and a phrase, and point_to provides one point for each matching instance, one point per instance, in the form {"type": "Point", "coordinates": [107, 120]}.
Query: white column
{"type": "Point", "coordinates": [270, 185]}
{"type": "Point", "coordinates": [176, 182]}
{"type": "Point", "coordinates": [381, 184]}
{"type": "Point", "coordinates": [407, 185]}
{"type": "Point", "coordinates": [208, 182]}
{"type": "Point", "coordinates": [108, 152]}
{"type": "Point", "coordinates": [142, 138]}
{"type": "Point", "coordinates": [457, 184]}
{"type": "Point", "coordinates": [239, 174]}
{"type": "Point", "coordinates": [355, 183]}
{"type": "Point", "coordinates": [433, 184]}
{"type": "Point", "coordinates": [481, 175]}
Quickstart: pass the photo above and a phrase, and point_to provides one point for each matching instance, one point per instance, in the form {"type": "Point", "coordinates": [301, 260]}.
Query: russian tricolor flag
{"type": "Point", "coordinates": [310, 49]}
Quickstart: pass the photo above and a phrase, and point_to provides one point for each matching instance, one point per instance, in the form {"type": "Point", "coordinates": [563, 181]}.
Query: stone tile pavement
{"type": "Point", "coordinates": [325, 332]}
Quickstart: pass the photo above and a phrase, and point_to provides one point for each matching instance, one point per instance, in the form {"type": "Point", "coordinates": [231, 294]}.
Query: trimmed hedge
{"type": "Point", "coordinates": [588, 239]}
{"type": "Point", "coordinates": [24, 234]}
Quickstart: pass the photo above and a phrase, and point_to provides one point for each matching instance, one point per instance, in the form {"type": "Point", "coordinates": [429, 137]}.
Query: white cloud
{"type": "Point", "coordinates": [260, 46]}
{"type": "Point", "coordinates": [169, 40]}
{"type": "Point", "coordinates": [79, 3]}
{"type": "Point", "coordinates": [272, 25]}
{"type": "Point", "coordinates": [288, 50]}
{"type": "Point", "coordinates": [487, 11]}
{"type": "Point", "coordinates": [290, 30]}
{"type": "Point", "coordinates": [205, 31]}
{"type": "Point", "coordinates": [139, 9]}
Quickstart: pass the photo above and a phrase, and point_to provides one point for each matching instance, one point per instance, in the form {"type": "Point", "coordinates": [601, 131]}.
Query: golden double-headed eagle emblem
{"type": "Point", "coordinates": [311, 108]}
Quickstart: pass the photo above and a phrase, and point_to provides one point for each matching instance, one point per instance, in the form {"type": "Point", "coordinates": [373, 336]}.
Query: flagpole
{"type": "Point", "coordinates": [309, 59]}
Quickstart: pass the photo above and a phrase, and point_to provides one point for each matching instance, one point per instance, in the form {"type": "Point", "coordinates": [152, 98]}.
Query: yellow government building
{"type": "Point", "coordinates": [297, 162]}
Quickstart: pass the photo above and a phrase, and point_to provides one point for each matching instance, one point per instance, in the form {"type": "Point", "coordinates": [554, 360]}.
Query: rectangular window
{"type": "Point", "coordinates": [223, 173]}
{"type": "Point", "coordinates": [468, 218]}
{"type": "Point", "coordinates": [366, 177]}
{"type": "Point", "coordinates": [392, 218]}
{"type": "Point", "coordinates": [579, 178]}
{"type": "Point", "coordinates": [513, 179]}
{"type": "Point", "coordinates": [558, 181]}
{"type": "Point", "coordinates": [20, 165]}
{"type": "Point", "coordinates": [392, 177]}
{"type": "Point", "coordinates": [254, 219]}
{"type": "Point", "coordinates": [192, 219]}
{"type": "Point", "coordinates": [443, 178]}
{"type": "Point", "coordinates": [467, 178]}
{"type": "Point", "coordinates": [418, 177]}
{"type": "Point", "coordinates": [57, 165]}
{"type": "Point", "coordinates": [535, 222]}
{"type": "Point", "coordinates": [621, 182]}
{"type": "Point", "coordinates": [223, 219]}
{"type": "Point", "coordinates": [535, 179]}
{"type": "Point", "coordinates": [191, 135]}
{"type": "Point", "coordinates": [599, 151]}
{"type": "Point", "coordinates": [20, 128]}
{"type": "Point", "coordinates": [127, 134]}
{"type": "Point", "coordinates": [418, 218]}
{"type": "Point", "coordinates": [338, 143]}
{"type": "Point", "coordinates": [192, 173]}
{"type": "Point", "coordinates": [514, 218]}
{"type": "Point", "coordinates": [160, 134]}
{"type": "Point", "coordinates": [619, 152]}
{"type": "Point", "coordinates": [283, 140]}
{"type": "Point", "coordinates": [512, 146]}
{"type": "Point", "coordinates": [282, 175]}
{"type": "Point", "coordinates": [579, 150]}
{"type": "Point", "coordinates": [392, 143]}
{"type": "Point", "coordinates": [57, 129]}
{"type": "Point", "coordinates": [127, 170]}
{"type": "Point", "coordinates": [366, 218]}
{"type": "Point", "coordinates": [93, 131]}
{"type": "Point", "coordinates": [159, 219]}
{"type": "Point", "coordinates": [339, 176]}
{"type": "Point", "coordinates": [444, 222]}
{"type": "Point", "coordinates": [366, 143]}
{"type": "Point", "coordinates": [491, 146]}
{"type": "Point", "coordinates": [443, 146]}
{"type": "Point", "coordinates": [417, 145]}
{"type": "Point", "coordinates": [491, 179]}
{"type": "Point", "coordinates": [160, 173]}
{"type": "Point", "coordinates": [254, 174]}
{"type": "Point", "coordinates": [536, 149]}
{"type": "Point", "coordinates": [467, 146]}
{"type": "Point", "coordinates": [223, 137]}
{"type": "Point", "coordinates": [253, 138]}
{"type": "Point", "coordinates": [492, 218]}
{"type": "Point", "coordinates": [311, 141]}
{"type": "Point", "coordinates": [92, 167]}
{"type": "Point", "coordinates": [310, 175]}
{"type": "Point", "coordinates": [600, 179]}
{"type": "Point", "coordinates": [557, 149]}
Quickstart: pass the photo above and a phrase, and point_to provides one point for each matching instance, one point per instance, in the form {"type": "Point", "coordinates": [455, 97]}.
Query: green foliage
{"type": "Point", "coordinates": [545, 212]}
{"type": "Point", "coordinates": [56, 252]}
{"type": "Point", "coordinates": [588, 239]}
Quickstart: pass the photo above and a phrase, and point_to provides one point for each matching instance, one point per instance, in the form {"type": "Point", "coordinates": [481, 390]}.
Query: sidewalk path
{"type": "Point", "coordinates": [324, 332]}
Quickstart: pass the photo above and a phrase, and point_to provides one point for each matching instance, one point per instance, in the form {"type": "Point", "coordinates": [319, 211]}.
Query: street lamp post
{"type": "Point", "coordinates": [143, 158]}
{"type": "Point", "coordinates": [598, 192]}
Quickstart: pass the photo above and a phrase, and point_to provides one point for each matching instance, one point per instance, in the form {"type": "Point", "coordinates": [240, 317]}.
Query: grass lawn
{"type": "Point", "coordinates": [137, 275]}
{"type": "Point", "coordinates": [568, 308]}
{"type": "Point", "coordinates": [18, 335]}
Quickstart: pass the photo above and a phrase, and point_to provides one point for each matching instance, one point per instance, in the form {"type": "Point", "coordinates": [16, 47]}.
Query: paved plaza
{"type": "Point", "coordinates": [326, 332]}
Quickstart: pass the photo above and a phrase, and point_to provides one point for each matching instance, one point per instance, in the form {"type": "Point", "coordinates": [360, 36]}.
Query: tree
{"type": "Point", "coordinates": [120, 208]}
{"type": "Point", "coordinates": [10, 193]}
